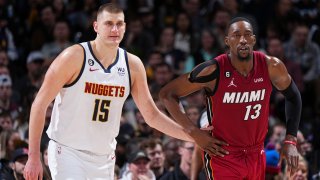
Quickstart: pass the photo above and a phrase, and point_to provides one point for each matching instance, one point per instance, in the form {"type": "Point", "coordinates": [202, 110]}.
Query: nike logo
{"type": "Point", "coordinates": [113, 157]}
{"type": "Point", "coordinates": [91, 69]}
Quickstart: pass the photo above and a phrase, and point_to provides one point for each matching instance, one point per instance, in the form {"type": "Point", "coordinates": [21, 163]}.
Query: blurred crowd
{"type": "Point", "coordinates": [170, 37]}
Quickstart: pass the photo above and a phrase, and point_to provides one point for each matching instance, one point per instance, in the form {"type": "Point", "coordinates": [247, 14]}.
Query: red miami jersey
{"type": "Point", "coordinates": [239, 108]}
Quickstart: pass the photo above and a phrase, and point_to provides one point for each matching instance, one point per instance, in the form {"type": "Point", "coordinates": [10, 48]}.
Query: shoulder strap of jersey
{"type": "Point", "coordinates": [193, 75]}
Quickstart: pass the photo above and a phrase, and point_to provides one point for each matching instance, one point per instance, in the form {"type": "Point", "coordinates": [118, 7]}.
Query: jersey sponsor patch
{"type": "Point", "coordinates": [93, 69]}
{"type": "Point", "coordinates": [232, 84]}
{"type": "Point", "coordinates": [121, 71]}
{"type": "Point", "coordinates": [258, 80]}
{"type": "Point", "coordinates": [91, 62]}
{"type": "Point", "coordinates": [227, 74]}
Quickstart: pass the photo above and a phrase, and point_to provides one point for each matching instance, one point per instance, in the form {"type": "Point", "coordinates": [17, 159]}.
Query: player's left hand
{"type": "Point", "coordinates": [290, 154]}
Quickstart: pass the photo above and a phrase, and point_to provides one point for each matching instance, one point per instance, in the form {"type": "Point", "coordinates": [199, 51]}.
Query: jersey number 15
{"type": "Point", "coordinates": [101, 110]}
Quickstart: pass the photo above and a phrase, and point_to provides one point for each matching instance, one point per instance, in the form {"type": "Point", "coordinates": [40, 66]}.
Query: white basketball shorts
{"type": "Point", "coordinates": [66, 163]}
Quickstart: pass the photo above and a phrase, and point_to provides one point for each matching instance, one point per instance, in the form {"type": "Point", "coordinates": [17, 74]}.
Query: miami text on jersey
{"type": "Point", "coordinates": [244, 97]}
{"type": "Point", "coordinates": [105, 90]}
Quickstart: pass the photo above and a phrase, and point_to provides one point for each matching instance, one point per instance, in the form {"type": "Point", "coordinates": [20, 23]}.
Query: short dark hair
{"type": "Point", "coordinates": [163, 64]}
{"type": "Point", "coordinates": [237, 19]}
{"type": "Point", "coordinates": [5, 113]}
{"type": "Point", "coordinates": [110, 7]}
{"type": "Point", "coordinates": [151, 143]}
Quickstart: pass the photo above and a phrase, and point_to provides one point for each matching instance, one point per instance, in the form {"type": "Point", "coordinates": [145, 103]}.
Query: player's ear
{"type": "Point", "coordinates": [254, 39]}
{"type": "Point", "coordinates": [95, 26]}
{"type": "Point", "coordinates": [226, 40]}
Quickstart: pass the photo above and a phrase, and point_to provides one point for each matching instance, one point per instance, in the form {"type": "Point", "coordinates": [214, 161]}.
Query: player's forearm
{"type": "Point", "coordinates": [36, 124]}
{"type": "Point", "coordinates": [172, 105]}
{"type": "Point", "coordinates": [164, 124]}
{"type": "Point", "coordinates": [197, 164]}
{"type": "Point", "coordinates": [293, 106]}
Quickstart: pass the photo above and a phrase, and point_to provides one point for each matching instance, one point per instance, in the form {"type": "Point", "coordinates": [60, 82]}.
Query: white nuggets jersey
{"type": "Point", "coordinates": [86, 114]}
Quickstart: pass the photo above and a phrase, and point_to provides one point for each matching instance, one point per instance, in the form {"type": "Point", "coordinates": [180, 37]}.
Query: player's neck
{"type": "Point", "coordinates": [243, 67]}
{"type": "Point", "coordinates": [105, 53]}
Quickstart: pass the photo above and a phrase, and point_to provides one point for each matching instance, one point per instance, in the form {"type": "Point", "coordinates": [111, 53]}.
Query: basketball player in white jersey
{"type": "Point", "coordinates": [90, 83]}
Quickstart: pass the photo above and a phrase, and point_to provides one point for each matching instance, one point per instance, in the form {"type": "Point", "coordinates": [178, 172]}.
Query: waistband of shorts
{"type": "Point", "coordinates": [85, 151]}
{"type": "Point", "coordinates": [254, 148]}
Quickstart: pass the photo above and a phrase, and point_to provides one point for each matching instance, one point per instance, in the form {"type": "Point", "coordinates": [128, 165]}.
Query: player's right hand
{"type": "Point", "coordinates": [209, 144]}
{"type": "Point", "coordinates": [33, 169]}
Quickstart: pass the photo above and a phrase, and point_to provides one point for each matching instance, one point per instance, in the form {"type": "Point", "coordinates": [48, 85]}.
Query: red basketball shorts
{"type": "Point", "coordinates": [241, 163]}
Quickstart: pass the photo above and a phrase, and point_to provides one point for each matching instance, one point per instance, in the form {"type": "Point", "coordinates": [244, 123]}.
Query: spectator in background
{"type": "Point", "coordinates": [81, 14]}
{"type": "Point", "coordinates": [193, 10]}
{"type": "Point", "coordinates": [153, 60]}
{"type": "Point", "coordinates": [30, 82]}
{"type": "Point", "coordinates": [154, 150]}
{"type": "Point", "coordinates": [20, 157]}
{"type": "Point", "coordinates": [307, 54]}
{"type": "Point", "coordinates": [234, 8]}
{"type": "Point", "coordinates": [116, 172]}
{"type": "Point", "coordinates": [59, 7]}
{"type": "Point", "coordinates": [197, 99]}
{"type": "Point", "coordinates": [184, 39]}
{"type": "Point", "coordinates": [171, 152]}
{"type": "Point", "coordinates": [121, 151]}
{"type": "Point", "coordinates": [283, 17]}
{"type": "Point", "coordinates": [148, 20]}
{"type": "Point", "coordinates": [303, 52]}
{"type": "Point", "coordinates": [4, 59]}
{"type": "Point", "coordinates": [4, 70]}
{"type": "Point", "coordinates": [7, 42]}
{"type": "Point", "coordinates": [142, 130]}
{"type": "Point", "coordinates": [278, 132]}
{"type": "Point", "coordinates": [139, 167]}
{"type": "Point", "coordinates": [167, 10]}
{"type": "Point", "coordinates": [273, 170]}
{"type": "Point", "coordinates": [137, 40]}
{"type": "Point", "coordinates": [132, 145]}
{"type": "Point", "coordinates": [209, 48]}
{"type": "Point", "coordinates": [275, 48]}
{"type": "Point", "coordinates": [163, 73]}
{"type": "Point", "coordinates": [7, 143]}
{"type": "Point", "coordinates": [6, 122]}
{"type": "Point", "coordinates": [42, 31]}
{"type": "Point", "coordinates": [182, 170]}
{"type": "Point", "coordinates": [61, 40]}
{"type": "Point", "coordinates": [220, 20]}
{"type": "Point", "coordinates": [44, 159]}
{"type": "Point", "coordinates": [174, 57]}
{"type": "Point", "coordinates": [303, 146]}
{"type": "Point", "coordinates": [7, 101]}
{"type": "Point", "coordinates": [6, 171]}
{"type": "Point", "coordinates": [193, 113]}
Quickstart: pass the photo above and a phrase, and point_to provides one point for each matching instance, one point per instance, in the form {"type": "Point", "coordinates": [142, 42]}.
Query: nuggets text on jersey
{"type": "Point", "coordinates": [105, 90]}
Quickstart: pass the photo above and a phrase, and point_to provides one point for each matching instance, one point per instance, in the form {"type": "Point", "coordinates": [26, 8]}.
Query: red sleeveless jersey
{"type": "Point", "coordinates": [239, 109]}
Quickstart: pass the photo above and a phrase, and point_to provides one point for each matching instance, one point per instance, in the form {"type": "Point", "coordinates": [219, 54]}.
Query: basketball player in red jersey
{"type": "Point", "coordinates": [238, 85]}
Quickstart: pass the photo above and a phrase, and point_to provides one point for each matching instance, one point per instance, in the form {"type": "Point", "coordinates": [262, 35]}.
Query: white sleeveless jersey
{"type": "Point", "coordinates": [86, 114]}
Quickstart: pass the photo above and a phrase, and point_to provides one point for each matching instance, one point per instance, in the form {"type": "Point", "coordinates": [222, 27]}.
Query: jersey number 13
{"type": "Point", "coordinates": [252, 112]}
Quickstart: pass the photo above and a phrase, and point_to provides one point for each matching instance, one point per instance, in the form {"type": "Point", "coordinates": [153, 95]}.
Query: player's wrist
{"type": "Point", "coordinates": [34, 155]}
{"type": "Point", "coordinates": [290, 142]}
{"type": "Point", "coordinates": [191, 131]}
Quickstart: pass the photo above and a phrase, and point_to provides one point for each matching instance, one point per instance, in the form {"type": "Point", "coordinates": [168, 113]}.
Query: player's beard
{"type": "Point", "coordinates": [244, 58]}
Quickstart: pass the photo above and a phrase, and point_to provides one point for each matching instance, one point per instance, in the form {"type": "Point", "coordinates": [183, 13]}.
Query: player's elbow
{"type": "Point", "coordinates": [163, 94]}
{"type": "Point", "coordinates": [166, 95]}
